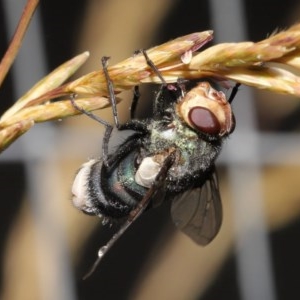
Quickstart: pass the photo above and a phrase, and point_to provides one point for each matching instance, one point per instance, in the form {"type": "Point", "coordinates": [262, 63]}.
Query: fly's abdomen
{"type": "Point", "coordinates": [110, 192]}
{"type": "Point", "coordinates": [122, 190]}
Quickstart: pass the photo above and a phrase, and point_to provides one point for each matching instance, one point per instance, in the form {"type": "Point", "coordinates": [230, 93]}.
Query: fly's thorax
{"type": "Point", "coordinates": [194, 155]}
{"type": "Point", "coordinates": [174, 134]}
{"type": "Point", "coordinates": [189, 165]}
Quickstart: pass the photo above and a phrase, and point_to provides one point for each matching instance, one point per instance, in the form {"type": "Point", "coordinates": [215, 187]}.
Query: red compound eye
{"type": "Point", "coordinates": [204, 120]}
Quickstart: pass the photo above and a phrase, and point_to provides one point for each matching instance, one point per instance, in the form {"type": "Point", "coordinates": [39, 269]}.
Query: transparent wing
{"type": "Point", "coordinates": [198, 211]}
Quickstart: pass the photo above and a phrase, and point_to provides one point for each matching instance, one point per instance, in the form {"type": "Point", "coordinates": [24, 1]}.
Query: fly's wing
{"type": "Point", "coordinates": [198, 211]}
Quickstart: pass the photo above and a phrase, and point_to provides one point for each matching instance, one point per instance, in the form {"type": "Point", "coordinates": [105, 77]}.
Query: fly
{"type": "Point", "coordinates": [170, 156]}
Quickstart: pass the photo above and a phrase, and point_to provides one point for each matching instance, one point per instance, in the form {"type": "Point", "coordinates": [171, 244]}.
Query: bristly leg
{"type": "Point", "coordinates": [108, 128]}
{"type": "Point", "coordinates": [136, 97]}
{"type": "Point", "coordinates": [153, 67]}
{"type": "Point", "coordinates": [134, 214]}
{"type": "Point", "coordinates": [234, 92]}
{"type": "Point", "coordinates": [110, 89]}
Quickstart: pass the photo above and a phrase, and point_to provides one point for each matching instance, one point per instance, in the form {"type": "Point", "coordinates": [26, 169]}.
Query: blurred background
{"type": "Point", "coordinates": [47, 245]}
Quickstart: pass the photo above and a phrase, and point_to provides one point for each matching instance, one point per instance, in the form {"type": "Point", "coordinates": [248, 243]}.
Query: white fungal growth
{"type": "Point", "coordinates": [147, 172]}
{"type": "Point", "coordinates": [79, 189]}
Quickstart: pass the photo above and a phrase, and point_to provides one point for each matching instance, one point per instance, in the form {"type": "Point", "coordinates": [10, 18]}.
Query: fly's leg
{"type": "Point", "coordinates": [234, 92]}
{"type": "Point", "coordinates": [153, 67]}
{"type": "Point", "coordinates": [111, 92]}
{"type": "Point", "coordinates": [160, 103]}
{"type": "Point", "coordinates": [136, 97]}
{"type": "Point", "coordinates": [108, 127]}
{"type": "Point", "coordinates": [134, 214]}
{"type": "Point", "coordinates": [136, 92]}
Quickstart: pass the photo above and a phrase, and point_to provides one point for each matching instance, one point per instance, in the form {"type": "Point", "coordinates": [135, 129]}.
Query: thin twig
{"type": "Point", "coordinates": [16, 41]}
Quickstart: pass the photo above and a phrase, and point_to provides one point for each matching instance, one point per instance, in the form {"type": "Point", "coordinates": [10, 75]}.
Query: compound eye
{"type": "Point", "coordinates": [204, 120]}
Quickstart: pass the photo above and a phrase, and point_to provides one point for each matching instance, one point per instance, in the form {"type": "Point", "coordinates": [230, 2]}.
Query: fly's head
{"type": "Point", "coordinates": [207, 111]}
